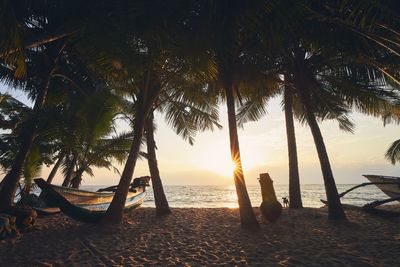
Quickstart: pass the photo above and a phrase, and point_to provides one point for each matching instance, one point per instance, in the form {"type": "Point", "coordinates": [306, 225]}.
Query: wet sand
{"type": "Point", "coordinates": [208, 237]}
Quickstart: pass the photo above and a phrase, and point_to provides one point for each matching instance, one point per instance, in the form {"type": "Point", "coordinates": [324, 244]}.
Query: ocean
{"type": "Point", "coordinates": [224, 196]}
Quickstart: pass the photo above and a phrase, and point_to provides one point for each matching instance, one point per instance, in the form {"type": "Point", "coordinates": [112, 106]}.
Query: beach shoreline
{"type": "Point", "coordinates": [208, 237]}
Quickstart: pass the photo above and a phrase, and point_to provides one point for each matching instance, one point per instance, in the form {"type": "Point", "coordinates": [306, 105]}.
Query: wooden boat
{"type": "Point", "coordinates": [90, 206]}
{"type": "Point", "coordinates": [390, 185]}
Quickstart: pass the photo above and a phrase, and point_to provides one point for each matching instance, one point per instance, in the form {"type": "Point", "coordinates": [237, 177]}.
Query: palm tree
{"type": "Point", "coordinates": [15, 119]}
{"type": "Point", "coordinates": [101, 154]}
{"type": "Point", "coordinates": [340, 80]}
{"type": "Point", "coordinates": [188, 106]}
{"type": "Point", "coordinates": [186, 111]}
{"type": "Point", "coordinates": [393, 152]}
{"type": "Point", "coordinates": [60, 157]}
{"type": "Point", "coordinates": [367, 94]}
{"type": "Point", "coordinates": [143, 51]}
{"type": "Point", "coordinates": [161, 202]}
{"type": "Point", "coordinates": [230, 27]}
{"type": "Point", "coordinates": [145, 98]}
{"type": "Point", "coordinates": [52, 57]}
{"type": "Point", "coordinates": [80, 128]}
{"type": "Point", "coordinates": [294, 179]}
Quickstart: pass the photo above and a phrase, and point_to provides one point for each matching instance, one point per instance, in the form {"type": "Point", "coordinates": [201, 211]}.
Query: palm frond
{"type": "Point", "coordinates": [393, 152]}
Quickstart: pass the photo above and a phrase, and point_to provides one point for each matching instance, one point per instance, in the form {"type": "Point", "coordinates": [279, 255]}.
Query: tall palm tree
{"type": "Point", "coordinates": [187, 105]}
{"type": "Point", "coordinates": [353, 86]}
{"type": "Point", "coordinates": [187, 112]}
{"type": "Point", "coordinates": [145, 96]}
{"type": "Point", "coordinates": [161, 202]}
{"type": "Point", "coordinates": [143, 51]}
{"type": "Point", "coordinates": [294, 179]}
{"type": "Point", "coordinates": [229, 28]}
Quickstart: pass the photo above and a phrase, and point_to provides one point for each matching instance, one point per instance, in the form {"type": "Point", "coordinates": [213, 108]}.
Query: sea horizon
{"type": "Point", "coordinates": [224, 196]}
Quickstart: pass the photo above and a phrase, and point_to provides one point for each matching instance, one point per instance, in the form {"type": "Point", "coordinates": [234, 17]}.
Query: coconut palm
{"type": "Point", "coordinates": [55, 66]}
{"type": "Point", "coordinates": [187, 107]}
{"type": "Point", "coordinates": [144, 96]}
{"type": "Point", "coordinates": [294, 179]}
{"type": "Point", "coordinates": [83, 125]}
{"type": "Point", "coordinates": [144, 47]}
{"type": "Point", "coordinates": [38, 86]}
{"type": "Point", "coordinates": [59, 159]}
{"type": "Point", "coordinates": [227, 34]}
{"type": "Point", "coordinates": [102, 154]}
{"type": "Point", "coordinates": [354, 78]}
{"type": "Point", "coordinates": [15, 119]}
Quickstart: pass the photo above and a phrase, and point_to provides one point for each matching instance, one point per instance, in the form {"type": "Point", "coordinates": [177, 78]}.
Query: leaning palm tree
{"type": "Point", "coordinates": [188, 107]}
{"type": "Point", "coordinates": [39, 86]}
{"type": "Point", "coordinates": [15, 118]}
{"type": "Point", "coordinates": [140, 55]}
{"type": "Point", "coordinates": [345, 83]}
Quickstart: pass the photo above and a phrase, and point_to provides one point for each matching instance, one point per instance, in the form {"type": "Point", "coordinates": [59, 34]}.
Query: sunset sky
{"type": "Point", "coordinates": [263, 147]}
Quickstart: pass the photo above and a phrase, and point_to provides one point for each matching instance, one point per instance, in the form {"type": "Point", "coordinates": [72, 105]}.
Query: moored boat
{"type": "Point", "coordinates": [90, 206]}
{"type": "Point", "coordinates": [390, 185]}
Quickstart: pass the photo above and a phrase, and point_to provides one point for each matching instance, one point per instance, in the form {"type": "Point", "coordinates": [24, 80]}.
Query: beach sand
{"type": "Point", "coordinates": [208, 237]}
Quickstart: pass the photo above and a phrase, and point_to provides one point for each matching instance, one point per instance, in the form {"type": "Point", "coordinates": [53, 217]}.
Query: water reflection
{"type": "Point", "coordinates": [231, 196]}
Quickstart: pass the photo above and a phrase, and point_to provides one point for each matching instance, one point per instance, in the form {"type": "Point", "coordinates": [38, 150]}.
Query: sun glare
{"type": "Point", "coordinates": [218, 162]}
{"type": "Point", "coordinates": [226, 168]}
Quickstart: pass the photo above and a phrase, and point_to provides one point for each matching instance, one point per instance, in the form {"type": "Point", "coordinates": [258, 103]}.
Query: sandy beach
{"type": "Point", "coordinates": [208, 237]}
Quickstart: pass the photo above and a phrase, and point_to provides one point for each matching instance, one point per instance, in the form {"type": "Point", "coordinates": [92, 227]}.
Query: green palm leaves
{"type": "Point", "coordinates": [393, 153]}
{"type": "Point", "coordinates": [87, 64]}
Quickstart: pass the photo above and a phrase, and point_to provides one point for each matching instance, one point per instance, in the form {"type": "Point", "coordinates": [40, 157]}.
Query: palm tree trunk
{"type": "Point", "coordinates": [247, 216]}
{"type": "Point", "coordinates": [70, 171]}
{"type": "Point", "coordinates": [335, 209]}
{"type": "Point", "coordinates": [55, 169]}
{"type": "Point", "coordinates": [76, 181]}
{"type": "Point", "coordinates": [294, 180]}
{"type": "Point", "coordinates": [10, 181]}
{"type": "Point", "coordinates": [160, 199]}
{"type": "Point", "coordinates": [115, 211]}
{"type": "Point", "coordinates": [145, 101]}
{"type": "Point", "coordinates": [39, 40]}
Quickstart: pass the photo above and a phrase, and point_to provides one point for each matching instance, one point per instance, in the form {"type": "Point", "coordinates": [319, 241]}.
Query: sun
{"type": "Point", "coordinates": [224, 167]}
{"type": "Point", "coordinates": [217, 161]}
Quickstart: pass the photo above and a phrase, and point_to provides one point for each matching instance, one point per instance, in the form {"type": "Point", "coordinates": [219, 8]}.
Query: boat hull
{"type": "Point", "coordinates": [87, 206]}
{"type": "Point", "coordinates": [97, 201]}
{"type": "Point", "coordinates": [392, 190]}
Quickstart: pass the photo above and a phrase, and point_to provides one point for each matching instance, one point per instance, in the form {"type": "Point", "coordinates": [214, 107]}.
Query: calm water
{"type": "Point", "coordinates": [225, 196]}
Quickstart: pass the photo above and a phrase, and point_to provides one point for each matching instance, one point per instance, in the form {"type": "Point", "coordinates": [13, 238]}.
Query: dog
{"type": "Point", "coordinates": [285, 202]}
